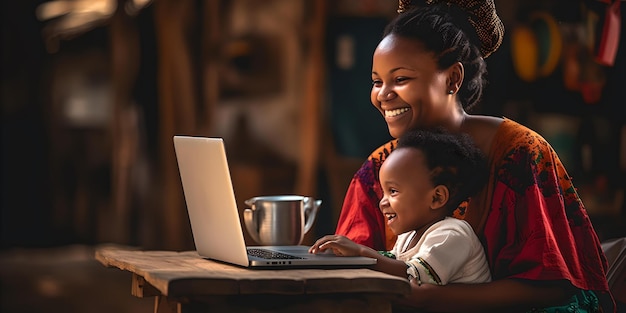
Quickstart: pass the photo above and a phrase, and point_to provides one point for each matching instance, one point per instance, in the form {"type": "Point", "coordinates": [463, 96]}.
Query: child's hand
{"type": "Point", "coordinates": [339, 245]}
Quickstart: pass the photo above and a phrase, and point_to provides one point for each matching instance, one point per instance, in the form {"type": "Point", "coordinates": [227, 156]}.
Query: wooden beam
{"type": "Point", "coordinates": [177, 110]}
{"type": "Point", "coordinates": [306, 180]}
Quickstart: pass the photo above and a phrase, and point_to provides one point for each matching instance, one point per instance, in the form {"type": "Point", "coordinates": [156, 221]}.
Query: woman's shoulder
{"type": "Point", "coordinates": [513, 135]}
{"type": "Point", "coordinates": [367, 174]}
{"type": "Point", "coordinates": [520, 154]}
{"type": "Point", "coordinates": [381, 153]}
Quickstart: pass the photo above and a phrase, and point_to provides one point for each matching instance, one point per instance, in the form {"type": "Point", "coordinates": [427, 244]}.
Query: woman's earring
{"type": "Point", "coordinates": [450, 92]}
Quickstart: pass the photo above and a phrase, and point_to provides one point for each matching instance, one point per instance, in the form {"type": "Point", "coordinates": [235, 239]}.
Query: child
{"type": "Point", "coordinates": [427, 177]}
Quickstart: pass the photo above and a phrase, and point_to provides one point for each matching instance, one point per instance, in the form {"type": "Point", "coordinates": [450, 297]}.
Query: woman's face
{"type": "Point", "coordinates": [408, 88]}
{"type": "Point", "coordinates": [407, 191]}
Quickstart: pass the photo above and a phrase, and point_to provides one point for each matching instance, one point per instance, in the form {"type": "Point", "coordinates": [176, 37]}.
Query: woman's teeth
{"type": "Point", "coordinates": [396, 112]}
{"type": "Point", "coordinates": [390, 216]}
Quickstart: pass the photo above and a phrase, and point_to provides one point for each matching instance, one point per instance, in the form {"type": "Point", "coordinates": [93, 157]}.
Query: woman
{"type": "Point", "coordinates": [427, 72]}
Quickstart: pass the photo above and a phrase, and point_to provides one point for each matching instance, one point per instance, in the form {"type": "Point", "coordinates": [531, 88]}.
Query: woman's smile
{"type": "Point", "coordinates": [396, 112]}
{"type": "Point", "coordinates": [398, 117]}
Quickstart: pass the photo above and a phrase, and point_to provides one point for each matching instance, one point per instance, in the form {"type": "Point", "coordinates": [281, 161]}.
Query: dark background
{"type": "Point", "coordinates": [28, 215]}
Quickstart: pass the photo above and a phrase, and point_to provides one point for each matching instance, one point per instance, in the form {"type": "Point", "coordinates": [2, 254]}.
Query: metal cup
{"type": "Point", "coordinates": [280, 220]}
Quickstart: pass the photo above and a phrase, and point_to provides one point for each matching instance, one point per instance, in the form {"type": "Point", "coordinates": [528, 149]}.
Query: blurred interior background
{"type": "Point", "coordinates": [93, 91]}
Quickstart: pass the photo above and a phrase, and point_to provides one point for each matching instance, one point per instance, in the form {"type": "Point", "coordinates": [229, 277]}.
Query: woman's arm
{"type": "Point", "coordinates": [505, 295]}
{"type": "Point", "coordinates": [360, 219]}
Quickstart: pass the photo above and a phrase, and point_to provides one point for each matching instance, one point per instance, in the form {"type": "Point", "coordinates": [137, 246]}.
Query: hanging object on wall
{"type": "Point", "coordinates": [590, 47]}
{"type": "Point", "coordinates": [550, 42]}
{"type": "Point", "coordinates": [592, 82]}
{"type": "Point", "coordinates": [524, 53]}
{"type": "Point", "coordinates": [574, 51]}
{"type": "Point", "coordinates": [606, 48]}
{"type": "Point", "coordinates": [581, 73]}
{"type": "Point", "coordinates": [536, 46]}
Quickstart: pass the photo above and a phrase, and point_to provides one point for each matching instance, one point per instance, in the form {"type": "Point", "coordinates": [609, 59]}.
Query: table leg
{"type": "Point", "coordinates": [163, 304]}
{"type": "Point", "coordinates": [140, 288]}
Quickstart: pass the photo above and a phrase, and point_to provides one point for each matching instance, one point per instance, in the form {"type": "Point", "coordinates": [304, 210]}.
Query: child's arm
{"type": "Point", "coordinates": [343, 246]}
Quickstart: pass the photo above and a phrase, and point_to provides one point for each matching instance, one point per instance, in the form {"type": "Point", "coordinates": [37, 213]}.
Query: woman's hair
{"type": "Point", "coordinates": [452, 160]}
{"type": "Point", "coordinates": [444, 29]}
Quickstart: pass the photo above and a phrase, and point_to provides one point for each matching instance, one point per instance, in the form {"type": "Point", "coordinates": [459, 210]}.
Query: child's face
{"type": "Point", "coordinates": [408, 199]}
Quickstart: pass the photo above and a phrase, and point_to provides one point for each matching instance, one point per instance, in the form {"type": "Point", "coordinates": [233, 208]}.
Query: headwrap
{"type": "Point", "coordinates": [481, 14]}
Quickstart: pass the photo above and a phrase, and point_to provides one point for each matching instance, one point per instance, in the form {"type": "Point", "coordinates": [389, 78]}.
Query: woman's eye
{"type": "Point", "coordinates": [401, 79]}
{"type": "Point", "coordinates": [392, 191]}
{"type": "Point", "coordinates": [376, 83]}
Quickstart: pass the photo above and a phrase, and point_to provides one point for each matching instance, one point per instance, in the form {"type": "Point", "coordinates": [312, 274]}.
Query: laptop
{"type": "Point", "coordinates": [215, 225]}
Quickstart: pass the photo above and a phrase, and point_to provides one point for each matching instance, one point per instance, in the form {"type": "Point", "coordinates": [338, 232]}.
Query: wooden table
{"type": "Point", "coordinates": [186, 282]}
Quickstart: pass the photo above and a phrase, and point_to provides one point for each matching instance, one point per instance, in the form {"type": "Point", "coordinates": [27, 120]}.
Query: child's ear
{"type": "Point", "coordinates": [440, 197]}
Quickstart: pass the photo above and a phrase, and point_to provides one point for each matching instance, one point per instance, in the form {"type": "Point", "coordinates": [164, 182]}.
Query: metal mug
{"type": "Point", "coordinates": [280, 220]}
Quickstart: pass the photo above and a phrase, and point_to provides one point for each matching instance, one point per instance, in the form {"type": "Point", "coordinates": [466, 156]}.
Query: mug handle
{"type": "Point", "coordinates": [252, 225]}
{"type": "Point", "coordinates": [310, 212]}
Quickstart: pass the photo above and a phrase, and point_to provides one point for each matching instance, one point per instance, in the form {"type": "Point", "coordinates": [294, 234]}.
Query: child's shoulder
{"type": "Point", "coordinates": [454, 224]}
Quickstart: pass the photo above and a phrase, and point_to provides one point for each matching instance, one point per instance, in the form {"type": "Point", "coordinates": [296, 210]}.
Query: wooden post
{"type": "Point", "coordinates": [124, 129]}
{"type": "Point", "coordinates": [313, 95]}
{"type": "Point", "coordinates": [211, 39]}
{"type": "Point", "coordinates": [306, 179]}
{"type": "Point", "coordinates": [177, 108]}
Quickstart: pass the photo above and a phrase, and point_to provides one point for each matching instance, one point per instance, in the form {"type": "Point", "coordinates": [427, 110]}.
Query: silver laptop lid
{"type": "Point", "coordinates": [207, 185]}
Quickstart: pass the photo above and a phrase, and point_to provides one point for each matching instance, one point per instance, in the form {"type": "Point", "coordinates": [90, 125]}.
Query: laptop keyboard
{"type": "Point", "coordinates": [268, 254]}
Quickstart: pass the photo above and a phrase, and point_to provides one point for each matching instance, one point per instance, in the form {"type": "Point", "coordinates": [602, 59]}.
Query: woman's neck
{"type": "Point", "coordinates": [482, 129]}
{"type": "Point", "coordinates": [454, 121]}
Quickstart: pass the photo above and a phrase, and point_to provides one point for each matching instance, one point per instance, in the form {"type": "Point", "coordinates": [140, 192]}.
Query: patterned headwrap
{"type": "Point", "coordinates": [482, 16]}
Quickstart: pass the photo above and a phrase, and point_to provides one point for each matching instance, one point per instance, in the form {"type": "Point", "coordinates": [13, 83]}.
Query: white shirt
{"type": "Point", "coordinates": [448, 252]}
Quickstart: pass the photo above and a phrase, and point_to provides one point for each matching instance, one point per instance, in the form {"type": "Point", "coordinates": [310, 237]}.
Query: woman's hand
{"type": "Point", "coordinates": [339, 245]}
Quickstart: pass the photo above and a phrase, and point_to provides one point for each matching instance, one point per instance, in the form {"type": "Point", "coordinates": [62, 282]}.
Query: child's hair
{"type": "Point", "coordinates": [453, 161]}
